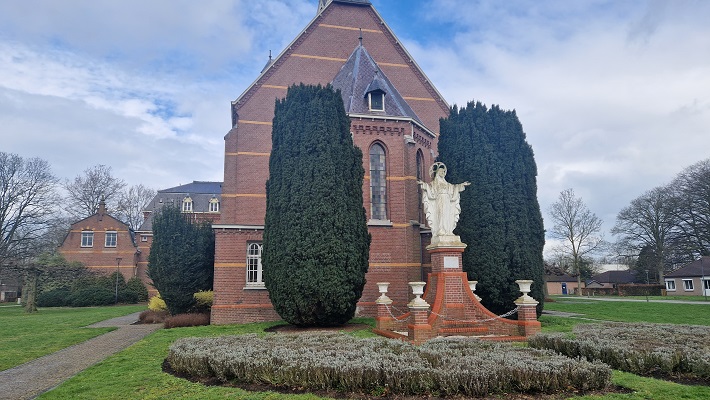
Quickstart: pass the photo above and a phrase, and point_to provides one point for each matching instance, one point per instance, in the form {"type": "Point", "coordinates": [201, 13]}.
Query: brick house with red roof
{"type": "Point", "coordinates": [394, 111]}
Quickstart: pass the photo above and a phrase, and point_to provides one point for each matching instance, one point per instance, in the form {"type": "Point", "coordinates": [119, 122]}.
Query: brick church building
{"type": "Point", "coordinates": [394, 111]}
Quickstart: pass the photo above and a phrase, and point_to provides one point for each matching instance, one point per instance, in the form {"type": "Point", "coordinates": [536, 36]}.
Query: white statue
{"type": "Point", "coordinates": [442, 204]}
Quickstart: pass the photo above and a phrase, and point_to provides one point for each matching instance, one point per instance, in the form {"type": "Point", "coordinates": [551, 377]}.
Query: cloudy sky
{"type": "Point", "coordinates": [614, 95]}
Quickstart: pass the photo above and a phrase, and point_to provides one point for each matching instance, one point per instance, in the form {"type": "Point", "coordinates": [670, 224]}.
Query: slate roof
{"type": "Point", "coordinates": [693, 269]}
{"type": "Point", "coordinates": [627, 276]}
{"type": "Point", "coordinates": [200, 192]}
{"type": "Point", "coordinates": [359, 75]}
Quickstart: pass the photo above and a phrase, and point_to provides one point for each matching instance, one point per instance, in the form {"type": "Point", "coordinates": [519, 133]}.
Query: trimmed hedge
{"type": "Point", "coordinates": [341, 362]}
{"type": "Point", "coordinates": [54, 298]}
{"type": "Point", "coordinates": [642, 348]}
{"type": "Point", "coordinates": [92, 296]}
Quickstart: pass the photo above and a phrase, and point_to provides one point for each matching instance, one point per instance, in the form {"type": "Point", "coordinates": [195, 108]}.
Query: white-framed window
{"type": "Point", "coordinates": [688, 285]}
{"type": "Point", "coordinates": [187, 204]}
{"type": "Point", "coordinates": [376, 100]}
{"type": "Point", "coordinates": [144, 238]}
{"type": "Point", "coordinates": [670, 286]}
{"type": "Point", "coordinates": [254, 264]}
{"type": "Point", "coordinates": [111, 238]}
{"type": "Point", "coordinates": [87, 239]}
{"type": "Point", "coordinates": [706, 284]}
{"type": "Point", "coordinates": [214, 205]}
{"type": "Point", "coordinates": [378, 182]}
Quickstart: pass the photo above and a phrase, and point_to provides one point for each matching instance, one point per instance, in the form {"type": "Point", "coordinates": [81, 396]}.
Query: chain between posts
{"type": "Point", "coordinates": [508, 314]}
{"type": "Point", "coordinates": [401, 318]}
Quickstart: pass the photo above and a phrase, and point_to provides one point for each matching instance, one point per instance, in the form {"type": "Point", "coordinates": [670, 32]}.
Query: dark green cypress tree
{"type": "Point", "coordinates": [181, 260]}
{"type": "Point", "coordinates": [316, 243]}
{"type": "Point", "coordinates": [500, 219]}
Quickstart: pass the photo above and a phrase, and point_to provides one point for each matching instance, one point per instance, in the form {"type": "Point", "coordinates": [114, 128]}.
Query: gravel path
{"type": "Point", "coordinates": [33, 378]}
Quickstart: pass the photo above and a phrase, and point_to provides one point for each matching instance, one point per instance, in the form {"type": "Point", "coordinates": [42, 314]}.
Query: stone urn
{"type": "Point", "coordinates": [383, 299]}
{"type": "Point", "coordinates": [524, 285]}
{"type": "Point", "coordinates": [472, 286]}
{"type": "Point", "coordinates": [418, 291]}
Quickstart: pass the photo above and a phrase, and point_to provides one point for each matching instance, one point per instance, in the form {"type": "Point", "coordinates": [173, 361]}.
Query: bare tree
{"type": "Point", "coordinates": [131, 204]}
{"type": "Point", "coordinates": [649, 224]}
{"type": "Point", "coordinates": [84, 193]}
{"type": "Point", "coordinates": [691, 194]}
{"type": "Point", "coordinates": [578, 229]}
{"type": "Point", "coordinates": [28, 201]}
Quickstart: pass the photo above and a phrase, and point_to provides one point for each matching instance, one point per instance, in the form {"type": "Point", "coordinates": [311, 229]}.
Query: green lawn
{"type": "Point", "coordinates": [632, 311]}
{"type": "Point", "coordinates": [29, 336]}
{"type": "Point", "coordinates": [135, 373]}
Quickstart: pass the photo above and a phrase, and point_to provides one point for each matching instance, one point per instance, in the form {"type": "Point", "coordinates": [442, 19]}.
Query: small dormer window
{"type": "Point", "coordinates": [187, 204]}
{"type": "Point", "coordinates": [377, 100]}
{"type": "Point", "coordinates": [214, 205]}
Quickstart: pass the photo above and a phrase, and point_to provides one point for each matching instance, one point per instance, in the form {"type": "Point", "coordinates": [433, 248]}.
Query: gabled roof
{"type": "Point", "coordinates": [361, 75]}
{"type": "Point", "coordinates": [695, 268]}
{"type": "Point", "coordinates": [626, 276]}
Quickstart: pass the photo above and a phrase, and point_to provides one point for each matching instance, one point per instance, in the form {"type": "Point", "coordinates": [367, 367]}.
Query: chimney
{"type": "Point", "coordinates": [102, 207]}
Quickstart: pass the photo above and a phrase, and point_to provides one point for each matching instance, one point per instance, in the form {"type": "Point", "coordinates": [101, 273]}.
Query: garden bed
{"type": "Point", "coordinates": [676, 352]}
{"type": "Point", "coordinates": [378, 366]}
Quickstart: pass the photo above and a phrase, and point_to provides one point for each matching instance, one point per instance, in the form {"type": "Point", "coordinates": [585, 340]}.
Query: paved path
{"type": "Point", "coordinates": [585, 298]}
{"type": "Point", "coordinates": [33, 378]}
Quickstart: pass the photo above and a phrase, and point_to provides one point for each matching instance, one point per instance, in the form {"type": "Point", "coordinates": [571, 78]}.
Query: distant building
{"type": "Point", "coordinates": [611, 279]}
{"type": "Point", "coordinates": [561, 284]}
{"type": "Point", "coordinates": [691, 279]}
{"type": "Point", "coordinates": [103, 244]}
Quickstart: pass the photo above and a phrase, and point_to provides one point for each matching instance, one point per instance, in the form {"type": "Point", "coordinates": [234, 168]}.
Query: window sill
{"type": "Point", "coordinates": [379, 222]}
{"type": "Point", "coordinates": [254, 286]}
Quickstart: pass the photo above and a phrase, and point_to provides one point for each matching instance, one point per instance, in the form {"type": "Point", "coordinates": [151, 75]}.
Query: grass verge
{"type": "Point", "coordinates": [31, 336]}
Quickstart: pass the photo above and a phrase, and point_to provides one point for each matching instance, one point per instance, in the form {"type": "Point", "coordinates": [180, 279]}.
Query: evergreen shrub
{"type": "Point", "coordinates": [181, 260]}
{"type": "Point", "coordinates": [157, 304]}
{"type": "Point", "coordinates": [500, 217]}
{"type": "Point", "coordinates": [332, 361]}
{"type": "Point", "coordinates": [92, 296]}
{"type": "Point", "coordinates": [316, 243]}
{"type": "Point", "coordinates": [58, 297]}
{"type": "Point", "coordinates": [135, 289]}
{"type": "Point", "coordinates": [203, 301]}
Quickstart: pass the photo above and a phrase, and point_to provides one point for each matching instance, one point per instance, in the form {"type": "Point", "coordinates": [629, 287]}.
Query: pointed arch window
{"type": "Point", "coordinates": [420, 177]}
{"type": "Point", "coordinates": [378, 182]}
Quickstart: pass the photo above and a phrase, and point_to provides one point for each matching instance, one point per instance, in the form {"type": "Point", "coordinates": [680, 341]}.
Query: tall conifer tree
{"type": "Point", "coordinates": [500, 219]}
{"type": "Point", "coordinates": [181, 259]}
{"type": "Point", "coordinates": [316, 244]}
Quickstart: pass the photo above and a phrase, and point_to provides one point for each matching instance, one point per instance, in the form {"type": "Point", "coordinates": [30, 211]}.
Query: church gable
{"type": "Point", "coordinates": [318, 53]}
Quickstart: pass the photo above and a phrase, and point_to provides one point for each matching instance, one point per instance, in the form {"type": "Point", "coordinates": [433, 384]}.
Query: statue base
{"type": "Point", "coordinates": [446, 241]}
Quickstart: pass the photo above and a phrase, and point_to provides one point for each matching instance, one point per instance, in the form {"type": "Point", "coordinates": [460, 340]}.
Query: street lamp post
{"type": "Point", "coordinates": [118, 266]}
{"type": "Point", "coordinates": [702, 278]}
{"type": "Point", "coordinates": [647, 284]}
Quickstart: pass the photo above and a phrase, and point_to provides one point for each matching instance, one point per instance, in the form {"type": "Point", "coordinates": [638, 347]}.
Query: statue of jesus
{"type": "Point", "coordinates": [441, 202]}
